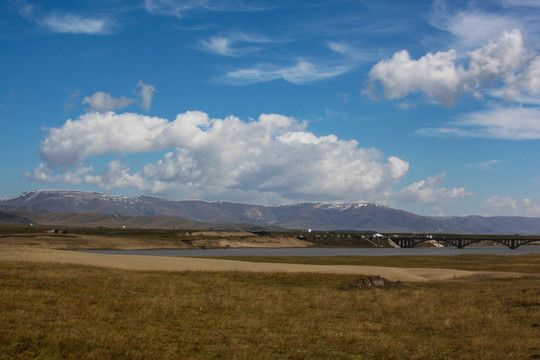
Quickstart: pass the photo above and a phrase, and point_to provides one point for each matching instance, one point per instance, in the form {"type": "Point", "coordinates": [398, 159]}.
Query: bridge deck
{"type": "Point", "coordinates": [460, 242]}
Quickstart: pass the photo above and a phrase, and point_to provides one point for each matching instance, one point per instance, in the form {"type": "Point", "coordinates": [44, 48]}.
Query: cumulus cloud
{"type": "Point", "coordinates": [101, 133]}
{"type": "Point", "coordinates": [502, 63]}
{"type": "Point", "coordinates": [429, 191]}
{"type": "Point", "coordinates": [498, 123]}
{"type": "Point", "coordinates": [434, 74]}
{"type": "Point", "coordinates": [45, 174]}
{"type": "Point", "coordinates": [116, 175]}
{"type": "Point", "coordinates": [103, 102]}
{"type": "Point", "coordinates": [273, 157]}
{"type": "Point", "coordinates": [502, 205]}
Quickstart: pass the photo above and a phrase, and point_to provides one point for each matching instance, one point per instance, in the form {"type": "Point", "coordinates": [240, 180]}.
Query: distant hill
{"type": "Point", "coordinates": [89, 208]}
{"type": "Point", "coordinates": [116, 220]}
{"type": "Point", "coordinates": [11, 218]}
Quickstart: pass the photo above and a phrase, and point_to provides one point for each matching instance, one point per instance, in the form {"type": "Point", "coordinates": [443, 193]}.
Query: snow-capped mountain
{"type": "Point", "coordinates": [317, 216]}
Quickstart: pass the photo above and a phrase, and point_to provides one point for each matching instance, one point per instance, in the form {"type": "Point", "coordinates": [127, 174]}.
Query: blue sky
{"type": "Point", "coordinates": [427, 106]}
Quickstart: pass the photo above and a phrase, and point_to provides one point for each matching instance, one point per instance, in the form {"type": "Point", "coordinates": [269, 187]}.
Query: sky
{"type": "Point", "coordinates": [428, 106]}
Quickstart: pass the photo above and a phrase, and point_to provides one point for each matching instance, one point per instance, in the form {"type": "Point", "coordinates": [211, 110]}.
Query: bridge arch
{"type": "Point", "coordinates": [461, 242]}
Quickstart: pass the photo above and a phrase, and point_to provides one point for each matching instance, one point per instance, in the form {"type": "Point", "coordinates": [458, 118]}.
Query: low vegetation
{"type": "Point", "coordinates": [50, 311]}
{"type": "Point", "coordinates": [60, 311]}
{"type": "Point", "coordinates": [529, 264]}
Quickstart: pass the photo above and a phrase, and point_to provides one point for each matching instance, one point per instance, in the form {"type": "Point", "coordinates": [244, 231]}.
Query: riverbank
{"type": "Point", "coordinates": [60, 249]}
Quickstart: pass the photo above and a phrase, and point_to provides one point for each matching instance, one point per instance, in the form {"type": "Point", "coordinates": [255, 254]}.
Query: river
{"type": "Point", "coordinates": [446, 251]}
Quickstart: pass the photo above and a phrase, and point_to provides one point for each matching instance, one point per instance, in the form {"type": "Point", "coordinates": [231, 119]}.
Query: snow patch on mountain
{"type": "Point", "coordinates": [340, 207]}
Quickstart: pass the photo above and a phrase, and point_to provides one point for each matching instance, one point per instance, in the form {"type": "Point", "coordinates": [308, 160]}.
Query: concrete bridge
{"type": "Point", "coordinates": [460, 242]}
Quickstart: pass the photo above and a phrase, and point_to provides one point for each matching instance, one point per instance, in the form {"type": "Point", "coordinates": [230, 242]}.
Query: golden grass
{"type": "Point", "coordinates": [51, 311]}
{"type": "Point", "coordinates": [529, 264]}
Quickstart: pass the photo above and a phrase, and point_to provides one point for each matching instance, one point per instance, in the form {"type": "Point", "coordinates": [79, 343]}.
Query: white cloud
{"type": "Point", "coordinates": [167, 7]}
{"type": "Point", "coordinates": [66, 22]}
{"type": "Point", "coordinates": [177, 8]}
{"type": "Point", "coordinates": [484, 165]}
{"type": "Point", "coordinates": [429, 191]}
{"type": "Point", "coordinates": [528, 80]}
{"type": "Point", "coordinates": [103, 102]}
{"type": "Point", "coordinates": [503, 205]}
{"type": "Point", "coordinates": [273, 157]}
{"type": "Point", "coordinates": [503, 63]}
{"type": "Point", "coordinates": [234, 44]}
{"type": "Point", "coordinates": [116, 175]}
{"type": "Point", "coordinates": [434, 74]}
{"type": "Point", "coordinates": [522, 3]}
{"type": "Point", "coordinates": [75, 24]}
{"type": "Point", "coordinates": [101, 133]}
{"type": "Point", "coordinates": [498, 123]}
{"type": "Point", "coordinates": [45, 174]}
{"type": "Point", "coordinates": [472, 27]}
{"type": "Point", "coordinates": [221, 46]}
{"type": "Point", "coordinates": [146, 93]}
{"type": "Point", "coordinates": [301, 71]}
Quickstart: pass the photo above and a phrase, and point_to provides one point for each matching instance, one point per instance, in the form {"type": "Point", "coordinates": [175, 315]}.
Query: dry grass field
{"type": "Point", "coordinates": [50, 310]}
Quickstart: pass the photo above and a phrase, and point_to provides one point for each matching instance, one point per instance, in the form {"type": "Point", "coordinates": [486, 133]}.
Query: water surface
{"type": "Point", "coordinates": [446, 251]}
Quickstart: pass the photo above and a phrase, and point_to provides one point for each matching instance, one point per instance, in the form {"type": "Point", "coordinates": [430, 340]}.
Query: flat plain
{"type": "Point", "coordinates": [54, 305]}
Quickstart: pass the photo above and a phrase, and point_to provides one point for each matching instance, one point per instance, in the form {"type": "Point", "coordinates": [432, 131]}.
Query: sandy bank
{"type": "Point", "coordinates": [154, 263]}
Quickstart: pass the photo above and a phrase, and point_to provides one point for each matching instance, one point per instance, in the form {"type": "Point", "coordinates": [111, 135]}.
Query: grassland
{"type": "Point", "coordinates": [51, 311]}
{"type": "Point", "coordinates": [68, 311]}
{"type": "Point", "coordinates": [529, 264]}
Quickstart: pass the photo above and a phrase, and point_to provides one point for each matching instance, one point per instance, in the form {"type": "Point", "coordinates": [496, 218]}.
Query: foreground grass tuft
{"type": "Point", "coordinates": [52, 311]}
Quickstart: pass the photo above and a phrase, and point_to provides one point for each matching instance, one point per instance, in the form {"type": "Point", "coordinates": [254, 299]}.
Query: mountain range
{"type": "Point", "coordinates": [81, 207]}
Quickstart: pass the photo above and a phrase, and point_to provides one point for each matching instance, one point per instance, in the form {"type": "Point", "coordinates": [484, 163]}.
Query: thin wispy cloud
{"type": "Point", "coordinates": [500, 205]}
{"type": "Point", "coordinates": [470, 27]}
{"type": "Point", "coordinates": [522, 3]}
{"type": "Point", "coordinates": [222, 46]}
{"type": "Point", "coordinates": [498, 123]}
{"type": "Point", "coordinates": [179, 8]}
{"type": "Point", "coordinates": [75, 24]}
{"type": "Point", "coordinates": [301, 71]}
{"type": "Point", "coordinates": [234, 44]}
{"type": "Point", "coordinates": [484, 165]}
{"type": "Point", "coordinates": [67, 22]}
